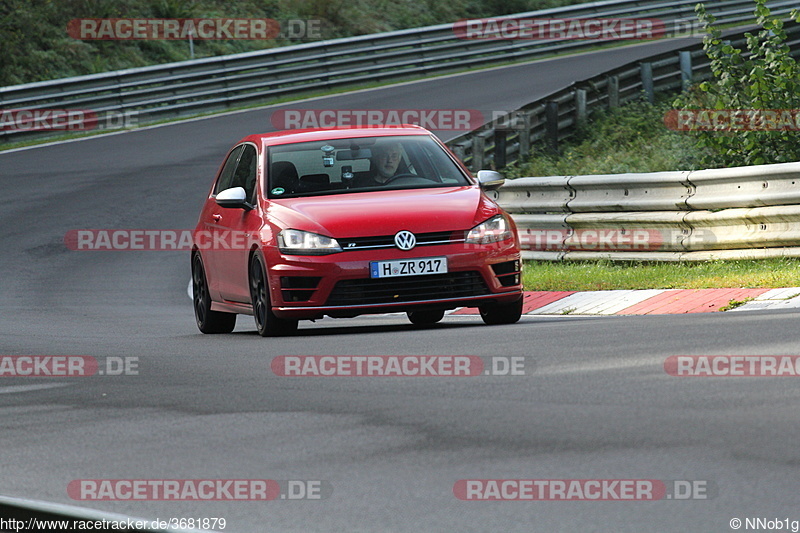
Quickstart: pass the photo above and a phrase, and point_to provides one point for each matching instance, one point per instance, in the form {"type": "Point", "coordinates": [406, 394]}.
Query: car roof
{"type": "Point", "coordinates": [311, 135]}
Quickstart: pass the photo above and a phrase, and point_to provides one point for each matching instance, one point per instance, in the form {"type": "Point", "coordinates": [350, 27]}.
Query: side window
{"type": "Point", "coordinates": [226, 176]}
{"type": "Point", "coordinates": [245, 174]}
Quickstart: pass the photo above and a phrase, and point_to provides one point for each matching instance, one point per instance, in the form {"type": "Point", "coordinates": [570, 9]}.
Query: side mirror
{"type": "Point", "coordinates": [490, 180]}
{"type": "Point", "coordinates": [233, 198]}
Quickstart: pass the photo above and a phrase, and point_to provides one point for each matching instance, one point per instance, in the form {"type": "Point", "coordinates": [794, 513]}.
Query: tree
{"type": "Point", "coordinates": [764, 77]}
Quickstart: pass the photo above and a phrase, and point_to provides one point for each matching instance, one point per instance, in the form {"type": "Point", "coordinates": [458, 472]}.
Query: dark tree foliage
{"type": "Point", "coordinates": [34, 45]}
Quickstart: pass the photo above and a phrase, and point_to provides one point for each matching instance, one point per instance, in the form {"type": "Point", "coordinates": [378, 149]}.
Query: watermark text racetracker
{"type": "Point", "coordinates": [575, 29]}
{"type": "Point", "coordinates": [67, 366]}
{"type": "Point", "coordinates": [582, 490]}
{"type": "Point", "coordinates": [167, 240]}
{"type": "Point", "coordinates": [610, 239]}
{"type": "Point", "coordinates": [202, 29]}
{"type": "Point", "coordinates": [399, 366]}
{"type": "Point", "coordinates": [19, 120]}
{"type": "Point", "coordinates": [732, 120]}
{"type": "Point", "coordinates": [559, 29]}
{"type": "Point", "coordinates": [733, 365]}
{"type": "Point", "coordinates": [198, 489]}
{"type": "Point", "coordinates": [432, 119]}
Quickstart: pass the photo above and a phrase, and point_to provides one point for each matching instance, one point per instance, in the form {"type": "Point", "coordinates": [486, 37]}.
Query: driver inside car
{"type": "Point", "coordinates": [384, 165]}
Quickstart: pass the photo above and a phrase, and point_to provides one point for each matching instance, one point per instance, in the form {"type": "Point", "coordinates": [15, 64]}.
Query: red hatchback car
{"type": "Point", "coordinates": [310, 223]}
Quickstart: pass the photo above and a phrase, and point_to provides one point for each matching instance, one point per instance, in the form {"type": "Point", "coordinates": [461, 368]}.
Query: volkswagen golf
{"type": "Point", "coordinates": [304, 224]}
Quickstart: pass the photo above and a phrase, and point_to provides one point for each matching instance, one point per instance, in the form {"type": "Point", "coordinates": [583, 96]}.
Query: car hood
{"type": "Point", "coordinates": [385, 212]}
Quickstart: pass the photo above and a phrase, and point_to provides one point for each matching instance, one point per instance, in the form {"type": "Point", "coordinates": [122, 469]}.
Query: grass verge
{"type": "Point", "coordinates": [608, 275]}
{"type": "Point", "coordinates": [630, 138]}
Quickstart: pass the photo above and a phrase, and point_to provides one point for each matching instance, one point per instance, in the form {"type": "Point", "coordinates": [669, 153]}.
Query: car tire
{"type": "Point", "coordinates": [267, 324]}
{"type": "Point", "coordinates": [506, 313]}
{"type": "Point", "coordinates": [208, 321]}
{"type": "Point", "coordinates": [425, 318]}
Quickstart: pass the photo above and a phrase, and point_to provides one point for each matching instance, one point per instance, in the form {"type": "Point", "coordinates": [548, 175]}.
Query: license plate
{"type": "Point", "coordinates": [408, 267]}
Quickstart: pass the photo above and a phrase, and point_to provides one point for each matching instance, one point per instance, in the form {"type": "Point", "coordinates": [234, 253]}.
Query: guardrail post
{"type": "Point", "coordinates": [613, 91]}
{"type": "Point", "coordinates": [460, 150]}
{"type": "Point", "coordinates": [478, 149]}
{"type": "Point", "coordinates": [580, 107]}
{"type": "Point", "coordinates": [525, 137]}
{"type": "Point", "coordinates": [500, 136]}
{"type": "Point", "coordinates": [551, 124]}
{"type": "Point", "coordinates": [646, 71]}
{"type": "Point", "coordinates": [686, 68]}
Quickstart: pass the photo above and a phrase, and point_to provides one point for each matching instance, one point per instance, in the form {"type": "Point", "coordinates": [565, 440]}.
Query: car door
{"type": "Point", "coordinates": [211, 217]}
{"type": "Point", "coordinates": [235, 228]}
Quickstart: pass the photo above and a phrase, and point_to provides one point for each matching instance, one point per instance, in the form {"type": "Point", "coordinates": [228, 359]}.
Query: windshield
{"type": "Point", "coordinates": [360, 164]}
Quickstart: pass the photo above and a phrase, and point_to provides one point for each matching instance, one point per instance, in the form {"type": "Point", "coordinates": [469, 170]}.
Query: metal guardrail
{"type": "Point", "coordinates": [745, 212]}
{"type": "Point", "coordinates": [670, 215]}
{"type": "Point", "coordinates": [187, 88]}
{"type": "Point", "coordinates": [546, 122]}
{"type": "Point", "coordinates": [742, 212]}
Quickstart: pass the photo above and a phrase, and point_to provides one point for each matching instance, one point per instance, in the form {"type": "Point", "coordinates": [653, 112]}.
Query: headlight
{"type": "Point", "coordinates": [495, 229]}
{"type": "Point", "coordinates": [296, 242]}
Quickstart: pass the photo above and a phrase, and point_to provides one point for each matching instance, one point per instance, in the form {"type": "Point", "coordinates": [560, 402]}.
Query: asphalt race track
{"type": "Point", "coordinates": [595, 403]}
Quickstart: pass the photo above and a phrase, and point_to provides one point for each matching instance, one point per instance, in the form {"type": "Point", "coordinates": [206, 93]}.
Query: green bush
{"type": "Point", "coordinates": [763, 77]}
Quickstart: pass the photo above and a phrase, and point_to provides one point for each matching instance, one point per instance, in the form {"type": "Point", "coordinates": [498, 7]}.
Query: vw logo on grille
{"type": "Point", "coordinates": [405, 240]}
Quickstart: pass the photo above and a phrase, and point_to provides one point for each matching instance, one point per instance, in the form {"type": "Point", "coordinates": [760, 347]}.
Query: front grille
{"type": "Point", "coordinates": [387, 241]}
{"type": "Point", "coordinates": [407, 289]}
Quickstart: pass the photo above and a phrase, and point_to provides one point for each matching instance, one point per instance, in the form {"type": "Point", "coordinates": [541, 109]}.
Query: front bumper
{"type": "Point", "coordinates": [339, 285]}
